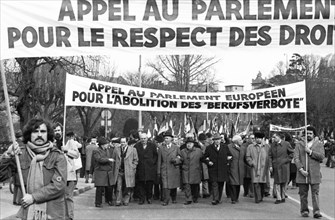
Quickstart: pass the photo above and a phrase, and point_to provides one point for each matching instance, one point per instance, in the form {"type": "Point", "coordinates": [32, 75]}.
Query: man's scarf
{"type": "Point", "coordinates": [35, 181]}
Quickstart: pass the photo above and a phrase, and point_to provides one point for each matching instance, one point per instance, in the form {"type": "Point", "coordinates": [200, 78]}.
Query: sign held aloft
{"type": "Point", "coordinates": [82, 91]}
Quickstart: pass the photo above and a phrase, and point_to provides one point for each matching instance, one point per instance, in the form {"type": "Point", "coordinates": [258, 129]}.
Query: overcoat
{"type": "Point", "coordinates": [54, 179]}
{"type": "Point", "coordinates": [313, 162]}
{"type": "Point", "coordinates": [258, 158]}
{"type": "Point", "coordinates": [237, 164]}
{"type": "Point", "coordinates": [102, 167]}
{"type": "Point", "coordinates": [191, 165]}
{"type": "Point", "coordinates": [247, 167]}
{"type": "Point", "coordinates": [89, 154]}
{"type": "Point", "coordinates": [147, 162]}
{"type": "Point", "coordinates": [168, 166]}
{"type": "Point", "coordinates": [130, 164]}
{"type": "Point", "coordinates": [280, 156]}
{"type": "Point", "coordinates": [218, 172]}
{"type": "Point", "coordinates": [205, 175]}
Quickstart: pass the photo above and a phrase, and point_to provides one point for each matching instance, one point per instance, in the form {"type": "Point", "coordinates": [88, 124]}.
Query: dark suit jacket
{"type": "Point", "coordinates": [147, 162]}
{"type": "Point", "coordinates": [218, 172]}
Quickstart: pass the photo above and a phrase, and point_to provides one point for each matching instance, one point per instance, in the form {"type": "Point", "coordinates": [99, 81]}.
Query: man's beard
{"type": "Point", "coordinates": [58, 136]}
{"type": "Point", "coordinates": [309, 138]}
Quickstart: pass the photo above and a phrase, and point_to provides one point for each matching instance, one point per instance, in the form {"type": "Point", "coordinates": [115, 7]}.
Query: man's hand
{"type": "Point", "coordinates": [210, 163]}
{"type": "Point", "coordinates": [271, 169]}
{"type": "Point", "coordinates": [27, 200]}
{"type": "Point", "coordinates": [13, 149]}
{"type": "Point", "coordinates": [111, 160]}
{"type": "Point", "coordinates": [307, 150]}
{"type": "Point", "coordinates": [303, 172]}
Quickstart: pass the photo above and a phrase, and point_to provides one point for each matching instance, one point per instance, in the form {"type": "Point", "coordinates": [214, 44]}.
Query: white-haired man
{"type": "Point", "coordinates": [236, 174]}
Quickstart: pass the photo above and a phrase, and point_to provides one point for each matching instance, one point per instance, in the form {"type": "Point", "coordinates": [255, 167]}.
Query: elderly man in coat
{"type": "Point", "coordinates": [191, 157]}
{"type": "Point", "coordinates": [126, 160]}
{"type": "Point", "coordinates": [89, 155]}
{"type": "Point", "coordinates": [258, 158]}
{"type": "Point", "coordinates": [308, 157]}
{"type": "Point", "coordinates": [102, 171]}
{"type": "Point", "coordinates": [168, 168]}
{"type": "Point", "coordinates": [216, 157]}
{"type": "Point", "coordinates": [280, 156]}
{"type": "Point", "coordinates": [146, 170]}
{"type": "Point", "coordinates": [236, 174]}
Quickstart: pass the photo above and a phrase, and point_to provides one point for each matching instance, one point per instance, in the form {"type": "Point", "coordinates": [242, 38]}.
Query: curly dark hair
{"type": "Point", "coordinates": [34, 124]}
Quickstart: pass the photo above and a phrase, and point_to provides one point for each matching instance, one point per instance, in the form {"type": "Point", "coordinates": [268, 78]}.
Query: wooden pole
{"type": "Point", "coordinates": [306, 145]}
{"type": "Point", "coordinates": [64, 118]}
{"type": "Point", "coordinates": [19, 171]}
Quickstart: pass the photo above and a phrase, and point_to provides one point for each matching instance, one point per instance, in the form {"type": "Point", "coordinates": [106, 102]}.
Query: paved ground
{"type": "Point", "coordinates": [8, 210]}
{"type": "Point", "coordinates": [245, 209]}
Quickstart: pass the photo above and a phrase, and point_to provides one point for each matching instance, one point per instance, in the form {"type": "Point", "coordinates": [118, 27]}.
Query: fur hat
{"type": "Point", "coordinates": [102, 141]}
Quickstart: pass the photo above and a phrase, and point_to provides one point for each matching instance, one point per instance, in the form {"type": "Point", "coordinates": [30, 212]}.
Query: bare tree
{"type": "Point", "coordinates": [180, 71]}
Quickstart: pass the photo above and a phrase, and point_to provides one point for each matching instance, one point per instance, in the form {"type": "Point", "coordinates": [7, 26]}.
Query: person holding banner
{"type": "Point", "coordinates": [308, 157]}
{"type": "Point", "coordinates": [44, 172]}
{"type": "Point", "coordinates": [258, 158]}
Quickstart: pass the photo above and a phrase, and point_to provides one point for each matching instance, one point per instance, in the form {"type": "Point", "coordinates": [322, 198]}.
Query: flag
{"type": "Point", "coordinates": [202, 128]}
{"type": "Point", "coordinates": [246, 131]}
{"type": "Point", "coordinates": [155, 129]}
{"type": "Point", "coordinates": [187, 125]}
{"type": "Point", "coordinates": [171, 127]}
{"type": "Point", "coordinates": [237, 122]}
{"type": "Point", "coordinates": [179, 132]}
{"type": "Point", "coordinates": [149, 133]}
{"type": "Point", "coordinates": [164, 126]}
{"type": "Point", "coordinates": [214, 127]}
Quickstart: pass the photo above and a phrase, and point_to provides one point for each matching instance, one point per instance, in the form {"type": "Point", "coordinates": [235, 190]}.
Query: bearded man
{"type": "Point", "coordinates": [44, 172]}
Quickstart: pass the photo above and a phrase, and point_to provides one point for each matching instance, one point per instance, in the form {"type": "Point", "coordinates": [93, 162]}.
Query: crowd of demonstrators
{"type": "Point", "coordinates": [125, 169]}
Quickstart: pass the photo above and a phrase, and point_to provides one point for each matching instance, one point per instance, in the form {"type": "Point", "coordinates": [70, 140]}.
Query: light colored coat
{"type": "Point", "coordinates": [280, 156]}
{"type": "Point", "coordinates": [168, 166]}
{"type": "Point", "coordinates": [130, 164]}
{"type": "Point", "coordinates": [237, 165]}
{"type": "Point", "coordinates": [313, 165]}
{"type": "Point", "coordinates": [71, 148]}
{"type": "Point", "coordinates": [258, 158]}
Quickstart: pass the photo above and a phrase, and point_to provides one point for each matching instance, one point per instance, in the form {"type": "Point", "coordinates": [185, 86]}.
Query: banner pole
{"type": "Point", "coordinates": [11, 127]}
{"type": "Point", "coordinates": [64, 114]}
{"type": "Point", "coordinates": [140, 85]}
{"type": "Point", "coordinates": [306, 144]}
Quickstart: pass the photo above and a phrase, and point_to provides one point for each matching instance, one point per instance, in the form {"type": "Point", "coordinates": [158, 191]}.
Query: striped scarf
{"type": "Point", "coordinates": [35, 181]}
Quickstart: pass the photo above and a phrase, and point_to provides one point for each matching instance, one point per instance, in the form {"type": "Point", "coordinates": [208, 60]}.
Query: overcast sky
{"type": "Point", "coordinates": [233, 68]}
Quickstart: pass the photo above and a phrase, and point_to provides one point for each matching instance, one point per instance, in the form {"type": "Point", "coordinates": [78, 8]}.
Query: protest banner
{"type": "Point", "coordinates": [31, 28]}
{"type": "Point", "coordinates": [277, 128]}
{"type": "Point", "coordinates": [81, 91]}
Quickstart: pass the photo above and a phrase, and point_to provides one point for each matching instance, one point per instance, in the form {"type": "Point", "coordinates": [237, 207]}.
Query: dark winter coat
{"type": "Point", "coordinates": [147, 162]}
{"type": "Point", "coordinates": [237, 164]}
{"type": "Point", "coordinates": [102, 166]}
{"type": "Point", "coordinates": [280, 157]}
{"type": "Point", "coordinates": [168, 166]}
{"type": "Point", "coordinates": [191, 165]}
{"type": "Point", "coordinates": [218, 172]}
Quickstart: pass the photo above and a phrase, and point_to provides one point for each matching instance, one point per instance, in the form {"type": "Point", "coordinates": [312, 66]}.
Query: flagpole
{"type": "Point", "coordinates": [11, 127]}
{"type": "Point", "coordinates": [140, 85]}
